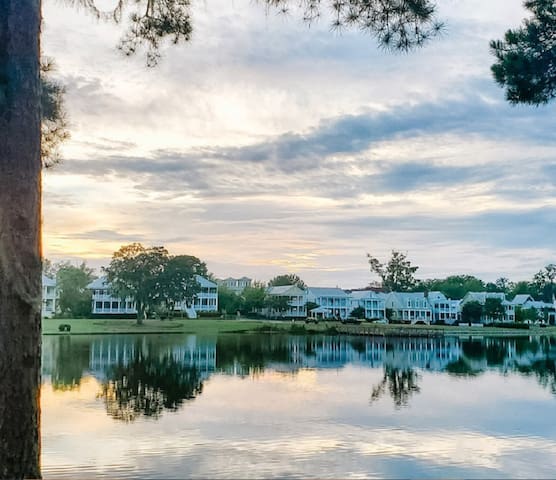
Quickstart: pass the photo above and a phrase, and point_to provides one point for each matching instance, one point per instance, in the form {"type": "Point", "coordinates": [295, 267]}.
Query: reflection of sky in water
{"type": "Point", "coordinates": [312, 422]}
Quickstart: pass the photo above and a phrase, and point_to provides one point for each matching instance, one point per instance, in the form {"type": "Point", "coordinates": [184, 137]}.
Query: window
{"type": "Point", "coordinates": [115, 305]}
{"type": "Point", "coordinates": [106, 304]}
{"type": "Point", "coordinates": [98, 305]}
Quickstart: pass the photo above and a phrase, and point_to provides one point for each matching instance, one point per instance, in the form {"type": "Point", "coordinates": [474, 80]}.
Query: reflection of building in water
{"type": "Point", "coordinates": [110, 352]}
{"type": "Point", "coordinates": [66, 359]}
{"type": "Point", "coordinates": [335, 352]}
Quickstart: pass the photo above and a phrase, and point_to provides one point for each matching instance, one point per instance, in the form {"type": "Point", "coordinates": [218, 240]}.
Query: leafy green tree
{"type": "Point", "coordinates": [254, 297]}
{"type": "Point", "coordinates": [71, 281]}
{"type": "Point", "coordinates": [276, 304]}
{"type": "Point", "coordinates": [526, 315]}
{"type": "Point", "coordinates": [491, 287]}
{"type": "Point", "coordinates": [229, 301]}
{"type": "Point", "coordinates": [523, 288]}
{"type": "Point", "coordinates": [48, 268]}
{"type": "Point", "coordinates": [472, 312]}
{"type": "Point", "coordinates": [310, 306]}
{"type": "Point", "coordinates": [54, 123]}
{"type": "Point", "coordinates": [504, 285]}
{"type": "Point", "coordinates": [287, 279]}
{"type": "Point", "coordinates": [526, 58]}
{"type": "Point", "coordinates": [134, 272]}
{"type": "Point", "coordinates": [493, 309]}
{"type": "Point", "coordinates": [544, 283]}
{"type": "Point", "coordinates": [177, 282]}
{"type": "Point", "coordinates": [454, 286]}
{"type": "Point", "coordinates": [358, 312]}
{"type": "Point", "coordinates": [397, 275]}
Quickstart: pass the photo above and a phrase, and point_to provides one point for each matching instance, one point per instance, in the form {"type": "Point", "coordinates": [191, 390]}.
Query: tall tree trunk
{"type": "Point", "coordinates": [20, 265]}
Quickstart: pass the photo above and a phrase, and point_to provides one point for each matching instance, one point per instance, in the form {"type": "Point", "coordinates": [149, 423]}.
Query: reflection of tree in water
{"type": "Point", "coordinates": [71, 360]}
{"type": "Point", "coordinates": [544, 368]}
{"type": "Point", "coordinates": [401, 384]}
{"type": "Point", "coordinates": [462, 368]}
{"type": "Point", "coordinates": [527, 356]}
{"type": "Point", "coordinates": [251, 352]}
{"type": "Point", "coordinates": [148, 385]}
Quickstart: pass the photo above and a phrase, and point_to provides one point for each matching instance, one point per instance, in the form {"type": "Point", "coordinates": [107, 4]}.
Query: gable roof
{"type": "Point", "coordinates": [367, 294]}
{"type": "Point", "coordinates": [521, 299]}
{"type": "Point", "coordinates": [98, 284]}
{"type": "Point", "coordinates": [481, 297]}
{"type": "Point", "coordinates": [203, 282]}
{"type": "Point", "coordinates": [327, 292]}
{"type": "Point", "coordinates": [285, 290]}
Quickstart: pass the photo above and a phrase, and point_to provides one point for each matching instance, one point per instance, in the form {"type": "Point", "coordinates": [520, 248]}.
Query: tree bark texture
{"type": "Point", "coordinates": [20, 239]}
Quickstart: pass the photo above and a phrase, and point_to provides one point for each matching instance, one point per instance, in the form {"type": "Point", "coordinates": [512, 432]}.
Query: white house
{"type": "Point", "coordinates": [49, 297]}
{"type": "Point", "coordinates": [444, 309]}
{"type": "Point", "coordinates": [236, 285]}
{"type": "Point", "coordinates": [206, 300]}
{"type": "Point", "coordinates": [296, 300]}
{"type": "Point", "coordinates": [409, 307]}
{"type": "Point", "coordinates": [104, 303]}
{"type": "Point", "coordinates": [545, 311]}
{"type": "Point", "coordinates": [481, 297]}
{"type": "Point", "coordinates": [333, 302]}
{"type": "Point", "coordinates": [374, 303]}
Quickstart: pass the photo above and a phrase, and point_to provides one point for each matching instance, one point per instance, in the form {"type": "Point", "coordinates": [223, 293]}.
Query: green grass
{"type": "Point", "coordinates": [108, 326]}
{"type": "Point", "coordinates": [213, 326]}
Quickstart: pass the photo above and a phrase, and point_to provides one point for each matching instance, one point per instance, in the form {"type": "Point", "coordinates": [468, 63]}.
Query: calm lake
{"type": "Point", "coordinates": [252, 406]}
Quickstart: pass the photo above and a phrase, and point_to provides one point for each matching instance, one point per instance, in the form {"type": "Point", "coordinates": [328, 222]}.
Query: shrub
{"type": "Point", "coordinates": [518, 326]}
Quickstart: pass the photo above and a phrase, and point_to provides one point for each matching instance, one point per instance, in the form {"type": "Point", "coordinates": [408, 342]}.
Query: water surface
{"type": "Point", "coordinates": [252, 406]}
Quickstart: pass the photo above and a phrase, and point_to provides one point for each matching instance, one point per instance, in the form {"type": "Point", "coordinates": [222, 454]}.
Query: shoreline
{"type": "Point", "coordinates": [215, 326]}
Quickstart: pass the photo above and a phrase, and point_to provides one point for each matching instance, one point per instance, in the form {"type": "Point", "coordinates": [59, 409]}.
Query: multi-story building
{"type": "Point", "coordinates": [481, 297]}
{"type": "Point", "coordinates": [373, 302]}
{"type": "Point", "coordinates": [444, 310]}
{"type": "Point", "coordinates": [296, 300]}
{"type": "Point", "coordinates": [409, 307]}
{"type": "Point", "coordinates": [104, 303]}
{"type": "Point", "coordinates": [49, 303]}
{"type": "Point", "coordinates": [206, 300]}
{"type": "Point", "coordinates": [236, 285]}
{"type": "Point", "coordinates": [332, 302]}
{"type": "Point", "coordinates": [546, 312]}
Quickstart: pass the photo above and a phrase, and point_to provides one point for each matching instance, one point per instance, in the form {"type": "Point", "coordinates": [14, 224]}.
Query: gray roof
{"type": "Point", "coordinates": [434, 295]}
{"type": "Point", "coordinates": [521, 299]}
{"type": "Point", "coordinates": [327, 292]}
{"type": "Point", "coordinates": [482, 296]}
{"type": "Point", "coordinates": [204, 282]}
{"type": "Point", "coordinates": [98, 284]}
{"type": "Point", "coordinates": [284, 290]}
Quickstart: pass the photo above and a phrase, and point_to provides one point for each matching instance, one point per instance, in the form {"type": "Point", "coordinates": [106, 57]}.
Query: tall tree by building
{"type": "Point", "coordinates": [398, 275]}
{"type": "Point", "coordinates": [287, 279]}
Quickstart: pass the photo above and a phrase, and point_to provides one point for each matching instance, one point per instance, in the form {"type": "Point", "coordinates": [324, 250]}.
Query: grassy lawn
{"type": "Point", "coordinates": [99, 326]}
{"type": "Point", "coordinates": [211, 326]}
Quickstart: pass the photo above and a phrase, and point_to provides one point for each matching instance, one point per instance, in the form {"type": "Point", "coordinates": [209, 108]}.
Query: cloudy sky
{"type": "Point", "coordinates": [264, 146]}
